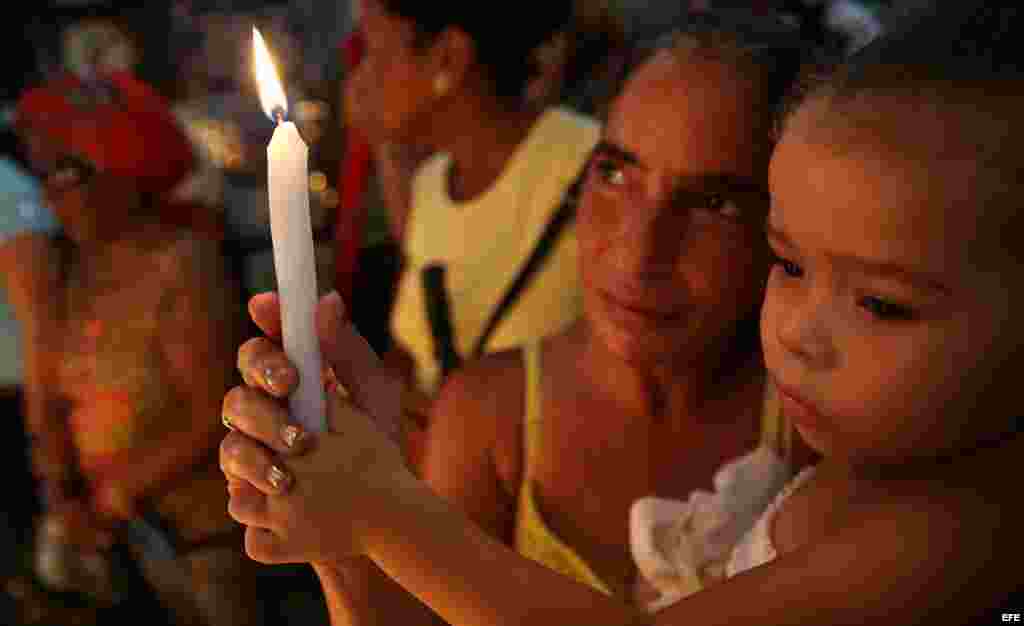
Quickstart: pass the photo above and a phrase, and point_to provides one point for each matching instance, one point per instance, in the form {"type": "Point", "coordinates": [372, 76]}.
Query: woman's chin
{"type": "Point", "coordinates": [636, 345]}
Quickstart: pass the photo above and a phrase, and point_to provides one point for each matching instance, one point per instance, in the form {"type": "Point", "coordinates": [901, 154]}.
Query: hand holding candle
{"type": "Point", "coordinates": [292, 234]}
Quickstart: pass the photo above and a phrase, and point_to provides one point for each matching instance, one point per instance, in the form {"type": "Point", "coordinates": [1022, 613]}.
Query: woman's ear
{"type": "Point", "coordinates": [454, 55]}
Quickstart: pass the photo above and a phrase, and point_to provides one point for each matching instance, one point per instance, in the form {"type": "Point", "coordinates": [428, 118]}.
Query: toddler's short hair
{"type": "Point", "coordinates": [968, 47]}
{"type": "Point", "coordinates": [962, 58]}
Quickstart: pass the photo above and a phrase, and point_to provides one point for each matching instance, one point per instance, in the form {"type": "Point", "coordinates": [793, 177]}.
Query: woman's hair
{"type": "Point", "coordinates": [763, 47]}
{"type": "Point", "coordinates": [597, 30]}
{"type": "Point", "coordinates": [504, 38]}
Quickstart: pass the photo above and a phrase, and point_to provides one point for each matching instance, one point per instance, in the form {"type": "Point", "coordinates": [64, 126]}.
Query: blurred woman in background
{"type": "Point", "coordinates": [125, 445]}
{"type": "Point", "coordinates": [453, 81]}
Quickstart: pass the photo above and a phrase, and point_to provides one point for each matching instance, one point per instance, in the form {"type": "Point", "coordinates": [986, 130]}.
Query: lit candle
{"type": "Point", "coordinates": [292, 234]}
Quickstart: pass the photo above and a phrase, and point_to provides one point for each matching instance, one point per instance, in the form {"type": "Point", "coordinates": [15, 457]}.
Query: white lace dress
{"type": "Point", "coordinates": [680, 547]}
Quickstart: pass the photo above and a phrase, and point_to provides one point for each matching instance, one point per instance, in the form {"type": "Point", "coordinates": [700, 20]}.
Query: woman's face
{"type": "Point", "coordinates": [391, 91]}
{"type": "Point", "coordinates": [670, 223]}
{"type": "Point", "coordinates": [65, 182]}
{"type": "Point", "coordinates": [90, 205]}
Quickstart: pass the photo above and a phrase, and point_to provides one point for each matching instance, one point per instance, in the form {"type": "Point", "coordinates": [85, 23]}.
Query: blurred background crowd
{"type": "Point", "coordinates": [192, 57]}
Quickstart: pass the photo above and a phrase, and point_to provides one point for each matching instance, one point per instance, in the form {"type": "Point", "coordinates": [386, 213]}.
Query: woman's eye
{"type": "Point", "coordinates": [714, 201]}
{"type": "Point", "coordinates": [609, 172]}
{"type": "Point", "coordinates": [790, 268]}
{"type": "Point", "coordinates": [719, 203]}
{"type": "Point", "coordinates": [70, 172]}
{"type": "Point", "coordinates": [885, 310]}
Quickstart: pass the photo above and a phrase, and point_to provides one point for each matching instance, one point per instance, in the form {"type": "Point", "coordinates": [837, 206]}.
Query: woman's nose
{"type": "Point", "coordinates": [653, 235]}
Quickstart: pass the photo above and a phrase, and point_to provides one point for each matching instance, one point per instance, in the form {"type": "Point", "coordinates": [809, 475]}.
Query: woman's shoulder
{"type": "Point", "coordinates": [485, 403]}
{"type": "Point", "coordinates": [571, 120]}
{"type": "Point", "coordinates": [486, 392]}
{"type": "Point", "coordinates": [495, 385]}
{"type": "Point", "coordinates": [574, 132]}
{"type": "Point", "coordinates": [479, 408]}
{"type": "Point", "coordinates": [430, 177]}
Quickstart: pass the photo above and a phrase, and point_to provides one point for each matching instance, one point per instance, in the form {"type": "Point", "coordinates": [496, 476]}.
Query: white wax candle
{"type": "Point", "coordinates": [295, 266]}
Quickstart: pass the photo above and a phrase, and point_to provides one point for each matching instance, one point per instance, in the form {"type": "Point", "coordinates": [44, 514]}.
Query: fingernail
{"type": "Point", "coordinates": [278, 478]}
{"type": "Point", "coordinates": [224, 419]}
{"type": "Point", "coordinates": [335, 299]}
{"type": "Point", "coordinates": [291, 434]}
{"type": "Point", "coordinates": [270, 378]}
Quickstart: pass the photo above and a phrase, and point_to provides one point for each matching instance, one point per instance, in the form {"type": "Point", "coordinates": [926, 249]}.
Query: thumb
{"type": "Point", "coordinates": [265, 310]}
{"type": "Point", "coordinates": [372, 387]}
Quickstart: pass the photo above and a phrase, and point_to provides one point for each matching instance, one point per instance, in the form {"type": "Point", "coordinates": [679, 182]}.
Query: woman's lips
{"type": "Point", "coordinates": [643, 311]}
{"type": "Point", "coordinates": [798, 410]}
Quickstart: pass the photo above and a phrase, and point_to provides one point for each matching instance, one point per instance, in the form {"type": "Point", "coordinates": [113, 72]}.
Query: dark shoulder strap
{"type": "Point", "coordinates": [565, 213]}
{"type": "Point", "coordinates": [435, 294]}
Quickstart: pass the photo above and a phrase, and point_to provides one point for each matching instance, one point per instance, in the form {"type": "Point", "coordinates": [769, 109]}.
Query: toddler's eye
{"type": "Point", "coordinates": [885, 310]}
{"type": "Point", "coordinates": [790, 268]}
{"type": "Point", "coordinates": [609, 172]}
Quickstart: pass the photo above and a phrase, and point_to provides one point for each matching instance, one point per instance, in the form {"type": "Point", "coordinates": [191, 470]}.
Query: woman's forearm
{"type": "Point", "coordinates": [29, 266]}
{"type": "Point", "coordinates": [30, 269]}
{"type": "Point", "coordinates": [46, 418]}
{"type": "Point", "coordinates": [50, 441]}
{"type": "Point", "coordinates": [469, 577]}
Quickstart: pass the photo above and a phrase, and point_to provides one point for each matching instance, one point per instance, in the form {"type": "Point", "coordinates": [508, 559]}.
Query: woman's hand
{"type": "Point", "coordinates": [80, 525]}
{"type": "Point", "coordinates": [311, 497]}
{"type": "Point", "coordinates": [415, 404]}
{"type": "Point", "coordinates": [114, 502]}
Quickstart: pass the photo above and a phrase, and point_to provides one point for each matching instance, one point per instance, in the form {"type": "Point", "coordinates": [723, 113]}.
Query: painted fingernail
{"type": "Point", "coordinates": [334, 298]}
{"type": "Point", "coordinates": [291, 434]}
{"type": "Point", "coordinates": [278, 478]}
{"type": "Point", "coordinates": [224, 419]}
{"type": "Point", "coordinates": [270, 378]}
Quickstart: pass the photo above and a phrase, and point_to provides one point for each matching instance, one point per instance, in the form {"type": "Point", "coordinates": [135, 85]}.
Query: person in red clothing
{"type": "Point", "coordinates": [353, 180]}
{"type": "Point", "coordinates": [146, 319]}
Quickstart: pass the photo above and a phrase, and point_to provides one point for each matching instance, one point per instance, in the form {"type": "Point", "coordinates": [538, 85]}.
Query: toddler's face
{"type": "Point", "coordinates": [888, 324]}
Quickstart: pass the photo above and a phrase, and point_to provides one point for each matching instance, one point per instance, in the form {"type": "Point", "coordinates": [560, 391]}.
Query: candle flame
{"type": "Point", "coordinates": [272, 96]}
